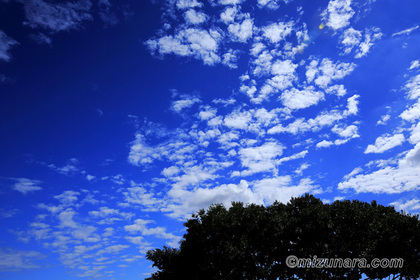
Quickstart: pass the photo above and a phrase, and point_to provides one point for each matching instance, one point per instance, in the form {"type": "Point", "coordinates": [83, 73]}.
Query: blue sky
{"type": "Point", "coordinates": [119, 119]}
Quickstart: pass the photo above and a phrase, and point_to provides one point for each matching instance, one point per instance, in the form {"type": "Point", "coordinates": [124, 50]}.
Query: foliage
{"type": "Point", "coordinates": [253, 241]}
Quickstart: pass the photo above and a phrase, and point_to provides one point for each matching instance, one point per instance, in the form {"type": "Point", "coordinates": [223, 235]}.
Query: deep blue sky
{"type": "Point", "coordinates": [120, 119]}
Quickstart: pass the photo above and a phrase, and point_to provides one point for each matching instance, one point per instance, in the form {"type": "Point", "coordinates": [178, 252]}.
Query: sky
{"type": "Point", "coordinates": [119, 119]}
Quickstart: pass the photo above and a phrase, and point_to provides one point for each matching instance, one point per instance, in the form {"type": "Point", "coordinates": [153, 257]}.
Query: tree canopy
{"type": "Point", "coordinates": [254, 241]}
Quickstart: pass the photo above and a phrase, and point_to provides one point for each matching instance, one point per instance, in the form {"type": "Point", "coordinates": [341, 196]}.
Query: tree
{"type": "Point", "coordinates": [253, 241]}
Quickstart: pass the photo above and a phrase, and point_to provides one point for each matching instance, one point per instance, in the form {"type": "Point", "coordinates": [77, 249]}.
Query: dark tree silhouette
{"type": "Point", "coordinates": [253, 241]}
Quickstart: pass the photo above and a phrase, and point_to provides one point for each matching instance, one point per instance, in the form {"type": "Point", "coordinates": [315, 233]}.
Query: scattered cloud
{"type": "Point", "coordinates": [277, 32]}
{"type": "Point", "coordinates": [198, 43]}
{"type": "Point", "coordinates": [299, 99]}
{"type": "Point", "coordinates": [25, 185]}
{"type": "Point", "coordinates": [6, 43]}
{"type": "Point", "coordinates": [414, 64]}
{"type": "Point", "coordinates": [241, 31]}
{"type": "Point", "coordinates": [141, 226]}
{"type": "Point", "coordinates": [186, 101]}
{"type": "Point", "coordinates": [411, 206]}
{"type": "Point", "coordinates": [338, 14]}
{"type": "Point", "coordinates": [17, 260]}
{"type": "Point", "coordinates": [56, 17]}
{"type": "Point", "coordinates": [390, 178]}
{"type": "Point", "coordinates": [385, 143]}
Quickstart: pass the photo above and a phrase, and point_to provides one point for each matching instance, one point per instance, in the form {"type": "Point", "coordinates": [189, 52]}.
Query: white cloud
{"type": "Point", "coordinates": [58, 16]}
{"type": "Point", "coordinates": [406, 31]}
{"type": "Point", "coordinates": [141, 226]}
{"type": "Point", "coordinates": [194, 176]}
{"type": "Point", "coordinates": [109, 215]}
{"type": "Point", "coordinates": [410, 206]}
{"type": "Point", "coordinates": [413, 87]}
{"type": "Point", "coordinates": [338, 14]}
{"type": "Point", "coordinates": [346, 134]}
{"type": "Point", "coordinates": [389, 179]}
{"type": "Point", "coordinates": [411, 114]}
{"type": "Point", "coordinates": [299, 99]}
{"type": "Point", "coordinates": [262, 63]}
{"type": "Point", "coordinates": [230, 59]}
{"type": "Point", "coordinates": [350, 39]}
{"type": "Point", "coordinates": [238, 120]}
{"type": "Point", "coordinates": [261, 191]}
{"type": "Point", "coordinates": [371, 37]}
{"type": "Point", "coordinates": [186, 102]}
{"type": "Point", "coordinates": [293, 157]}
{"type": "Point", "coordinates": [6, 43]}
{"type": "Point", "coordinates": [230, 2]}
{"type": "Point", "coordinates": [384, 120]}
{"type": "Point", "coordinates": [260, 159]}
{"type": "Point", "coordinates": [350, 131]}
{"type": "Point", "coordinates": [207, 113]}
{"type": "Point", "coordinates": [17, 260]}
{"type": "Point", "coordinates": [198, 43]}
{"type": "Point", "coordinates": [193, 17]}
{"type": "Point", "coordinates": [185, 4]}
{"type": "Point", "coordinates": [301, 125]}
{"type": "Point", "coordinates": [68, 197]}
{"type": "Point", "coordinates": [414, 64]}
{"type": "Point", "coordinates": [170, 171]}
{"type": "Point", "coordinates": [338, 90]}
{"type": "Point", "coordinates": [243, 31]}
{"type": "Point", "coordinates": [324, 144]}
{"type": "Point", "coordinates": [385, 143]}
{"type": "Point", "coordinates": [277, 32]}
{"type": "Point", "coordinates": [323, 74]}
{"type": "Point", "coordinates": [139, 195]}
{"type": "Point", "coordinates": [25, 186]}
{"type": "Point", "coordinates": [272, 4]}
{"type": "Point", "coordinates": [228, 15]}
{"type": "Point", "coordinates": [283, 74]}
{"type": "Point", "coordinates": [415, 134]}
{"type": "Point", "coordinates": [185, 202]}
{"type": "Point", "coordinates": [281, 189]}
{"type": "Point", "coordinates": [90, 177]}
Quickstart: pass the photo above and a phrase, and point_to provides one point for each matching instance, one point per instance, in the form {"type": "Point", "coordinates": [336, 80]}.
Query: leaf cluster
{"type": "Point", "coordinates": [253, 241]}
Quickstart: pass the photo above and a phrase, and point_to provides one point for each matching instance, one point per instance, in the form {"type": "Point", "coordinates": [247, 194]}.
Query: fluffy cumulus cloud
{"type": "Point", "coordinates": [412, 113]}
{"type": "Point", "coordinates": [198, 43]}
{"type": "Point", "coordinates": [299, 99]}
{"type": "Point", "coordinates": [241, 31]}
{"type": "Point", "coordinates": [272, 4]}
{"type": "Point", "coordinates": [338, 14]}
{"type": "Point", "coordinates": [325, 72]}
{"type": "Point", "coordinates": [352, 39]}
{"type": "Point", "coordinates": [193, 17]}
{"type": "Point", "coordinates": [185, 4]}
{"type": "Point", "coordinates": [385, 143]}
{"type": "Point", "coordinates": [261, 158]}
{"type": "Point", "coordinates": [411, 206]}
{"type": "Point", "coordinates": [278, 31]}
